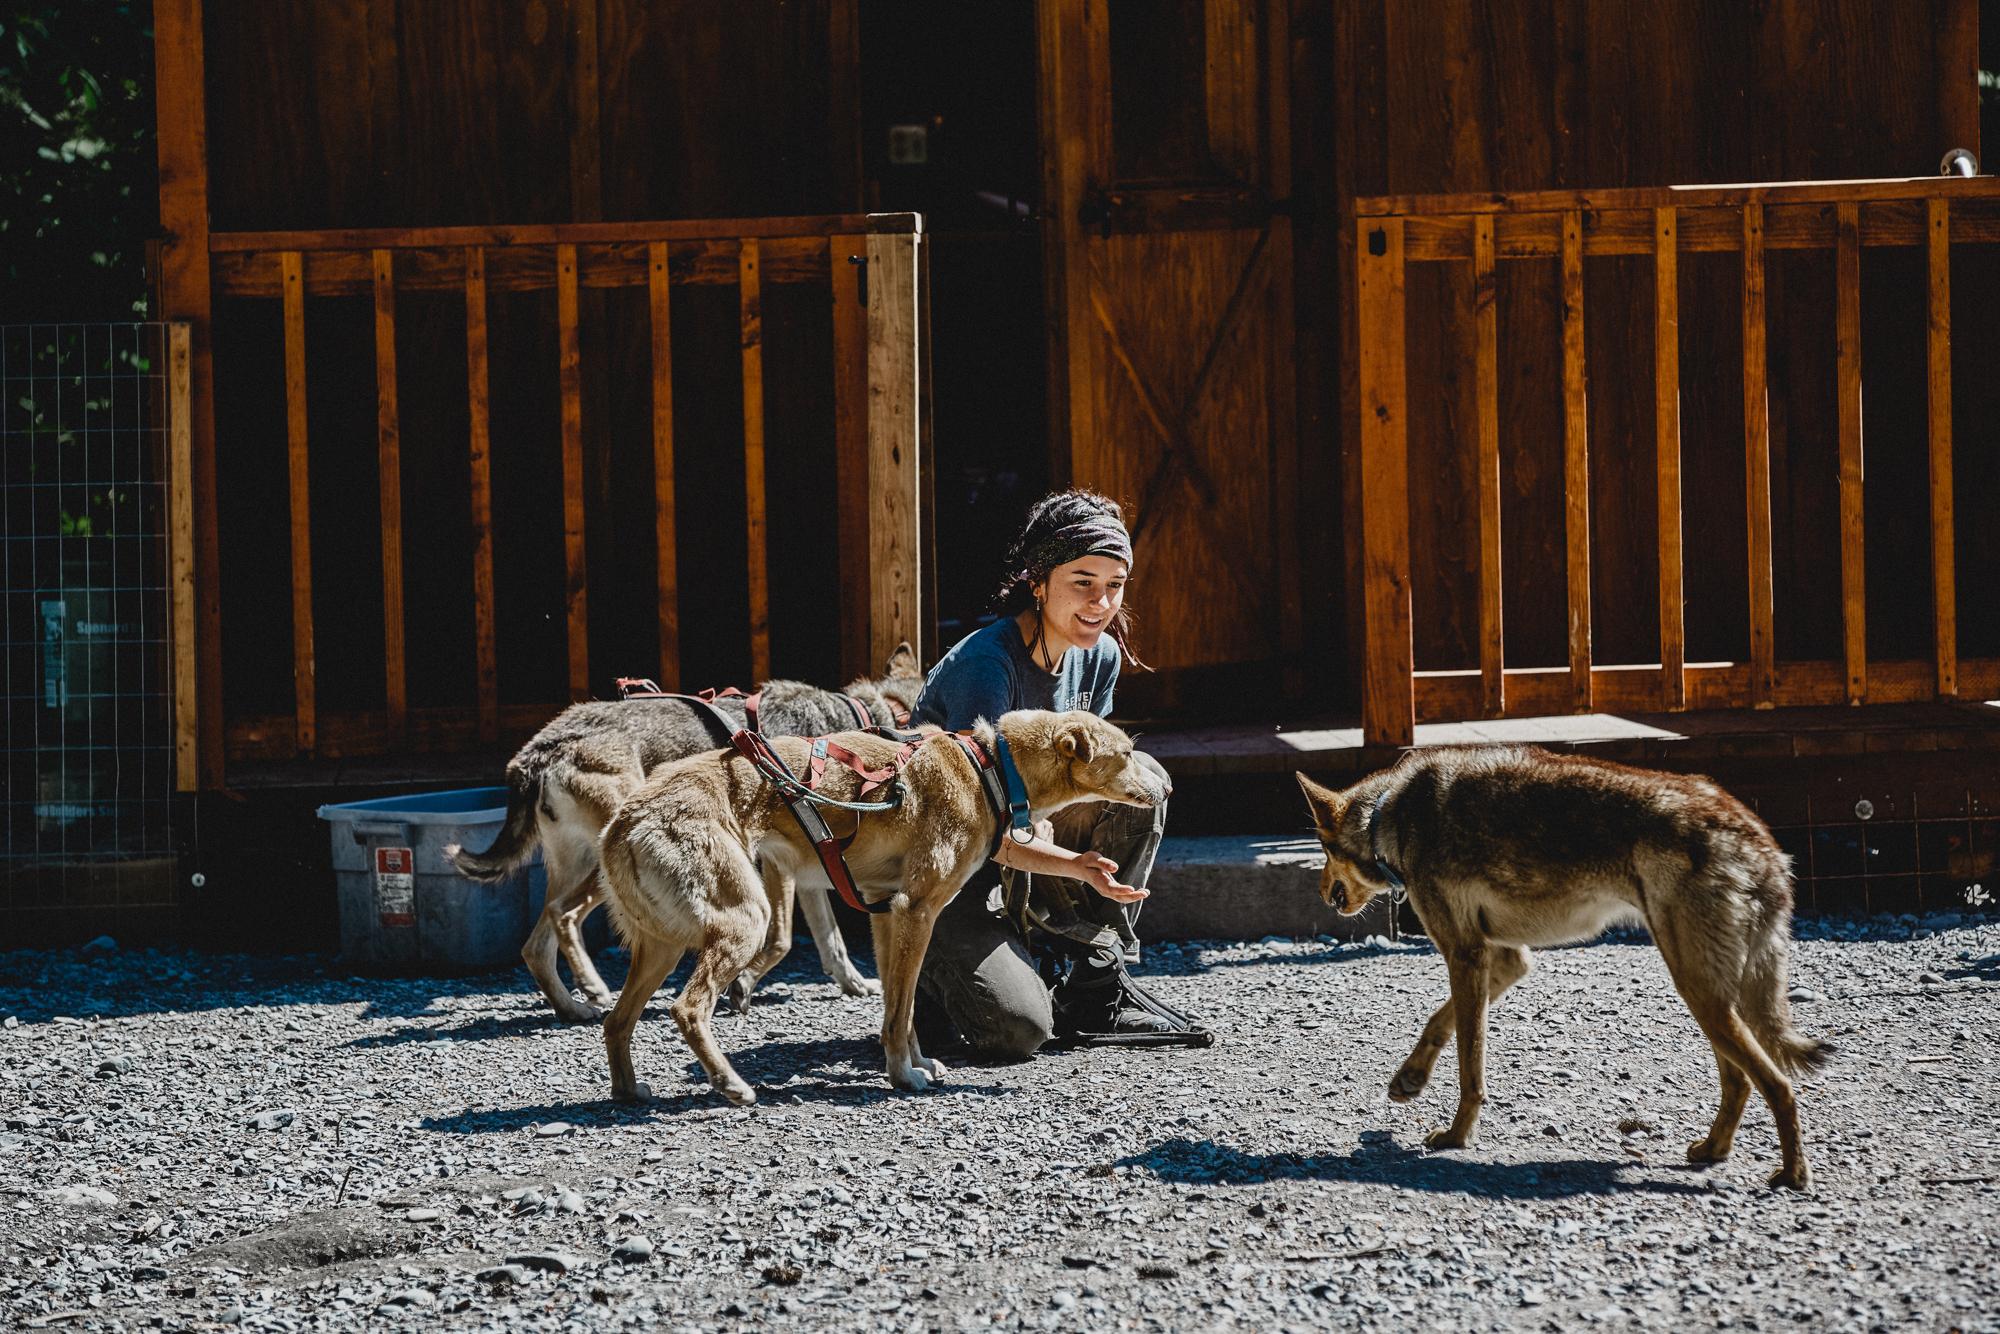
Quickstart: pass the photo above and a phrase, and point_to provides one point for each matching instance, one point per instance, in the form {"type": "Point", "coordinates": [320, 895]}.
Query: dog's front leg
{"type": "Point", "coordinates": [1505, 965]}
{"type": "Point", "coordinates": [1467, 966]}
{"type": "Point", "coordinates": [902, 935]}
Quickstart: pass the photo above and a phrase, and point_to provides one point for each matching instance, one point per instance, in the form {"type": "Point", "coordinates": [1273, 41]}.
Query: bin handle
{"type": "Point", "coordinates": [366, 829]}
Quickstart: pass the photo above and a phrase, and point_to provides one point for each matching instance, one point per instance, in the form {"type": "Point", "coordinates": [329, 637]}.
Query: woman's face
{"type": "Point", "coordinates": [1079, 599]}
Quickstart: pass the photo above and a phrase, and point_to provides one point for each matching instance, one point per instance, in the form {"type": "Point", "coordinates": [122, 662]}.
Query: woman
{"type": "Point", "coordinates": [1039, 915]}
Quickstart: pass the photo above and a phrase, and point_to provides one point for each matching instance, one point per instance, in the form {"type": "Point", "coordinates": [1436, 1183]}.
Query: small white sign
{"type": "Point", "coordinates": [396, 886]}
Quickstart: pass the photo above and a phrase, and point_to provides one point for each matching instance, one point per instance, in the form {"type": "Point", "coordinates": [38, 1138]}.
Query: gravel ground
{"type": "Point", "coordinates": [196, 1140]}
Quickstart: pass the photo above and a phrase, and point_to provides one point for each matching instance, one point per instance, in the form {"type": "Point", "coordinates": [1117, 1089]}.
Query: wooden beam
{"type": "Point", "coordinates": [1486, 357]}
{"type": "Point", "coordinates": [750, 310]}
{"type": "Point", "coordinates": [477, 386]}
{"type": "Point", "coordinates": [1388, 698]}
{"type": "Point", "coordinates": [1734, 195]}
{"type": "Point", "coordinates": [389, 470]}
{"type": "Point", "coordinates": [586, 146]}
{"type": "Point", "coordinates": [850, 448]}
{"type": "Point", "coordinates": [1847, 382]}
{"type": "Point", "coordinates": [895, 427]}
{"type": "Point", "coordinates": [576, 582]}
{"type": "Point", "coordinates": [1955, 30]}
{"type": "Point", "coordinates": [843, 96]}
{"type": "Point", "coordinates": [298, 478]}
{"type": "Point", "coordinates": [665, 530]}
{"type": "Point", "coordinates": [1757, 458]}
{"type": "Point", "coordinates": [180, 553]}
{"type": "Point", "coordinates": [1667, 455]}
{"type": "Point", "coordinates": [562, 233]}
{"type": "Point", "coordinates": [1944, 578]}
{"type": "Point", "coordinates": [1576, 463]}
{"type": "Point", "coordinates": [181, 126]}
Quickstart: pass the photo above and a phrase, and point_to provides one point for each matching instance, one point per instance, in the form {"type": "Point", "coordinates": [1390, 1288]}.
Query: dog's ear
{"type": "Point", "coordinates": [1076, 743]}
{"type": "Point", "coordinates": [903, 662]}
{"type": "Point", "coordinates": [1326, 805]}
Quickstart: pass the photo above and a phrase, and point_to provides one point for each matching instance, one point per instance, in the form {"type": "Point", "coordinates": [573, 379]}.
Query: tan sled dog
{"type": "Point", "coordinates": [1506, 847]}
{"type": "Point", "coordinates": [565, 782]}
{"type": "Point", "coordinates": [681, 859]}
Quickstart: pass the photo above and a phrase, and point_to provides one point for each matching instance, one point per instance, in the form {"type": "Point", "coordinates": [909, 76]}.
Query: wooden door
{"type": "Point", "coordinates": [1169, 261]}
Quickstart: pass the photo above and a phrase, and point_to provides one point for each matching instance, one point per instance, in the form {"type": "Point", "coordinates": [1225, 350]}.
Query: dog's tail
{"type": "Point", "coordinates": [518, 835]}
{"type": "Point", "coordinates": [1767, 1006]}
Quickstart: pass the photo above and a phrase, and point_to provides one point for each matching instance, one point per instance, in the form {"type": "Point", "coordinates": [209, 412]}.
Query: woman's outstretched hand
{"type": "Point", "coordinates": [1101, 874]}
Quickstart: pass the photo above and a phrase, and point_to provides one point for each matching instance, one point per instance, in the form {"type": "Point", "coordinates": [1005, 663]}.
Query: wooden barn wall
{"type": "Point", "coordinates": [385, 113]}
{"type": "Point", "coordinates": [1473, 95]}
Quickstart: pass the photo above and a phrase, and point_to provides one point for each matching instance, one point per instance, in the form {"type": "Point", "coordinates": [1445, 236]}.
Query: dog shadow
{"type": "Point", "coordinates": [1381, 1161]}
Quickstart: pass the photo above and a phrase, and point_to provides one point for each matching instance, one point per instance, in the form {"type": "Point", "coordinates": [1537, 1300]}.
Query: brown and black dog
{"type": "Point", "coordinates": [706, 854]}
{"type": "Point", "coordinates": [1506, 847]}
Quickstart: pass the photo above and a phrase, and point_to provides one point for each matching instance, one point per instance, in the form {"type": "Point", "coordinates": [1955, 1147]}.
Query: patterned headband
{"type": "Point", "coordinates": [1099, 535]}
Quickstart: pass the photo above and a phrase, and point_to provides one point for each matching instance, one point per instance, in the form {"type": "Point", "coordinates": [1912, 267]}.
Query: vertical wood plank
{"type": "Point", "coordinates": [1847, 381]}
{"type": "Point", "coordinates": [586, 144]}
{"type": "Point", "coordinates": [1576, 462]}
{"type": "Point", "coordinates": [576, 579]}
{"type": "Point", "coordinates": [477, 385]}
{"type": "Point", "coordinates": [1389, 696]}
{"type": "Point", "coordinates": [895, 424]}
{"type": "Point", "coordinates": [659, 289]}
{"type": "Point", "coordinates": [180, 553]}
{"type": "Point", "coordinates": [850, 445]}
{"type": "Point", "coordinates": [180, 95]}
{"type": "Point", "coordinates": [1486, 358]}
{"type": "Point", "coordinates": [305, 735]}
{"type": "Point", "coordinates": [1757, 459]}
{"type": "Point", "coordinates": [1667, 448]}
{"type": "Point", "coordinates": [751, 310]}
{"type": "Point", "coordinates": [389, 469]}
{"type": "Point", "coordinates": [1944, 579]}
{"type": "Point", "coordinates": [844, 111]}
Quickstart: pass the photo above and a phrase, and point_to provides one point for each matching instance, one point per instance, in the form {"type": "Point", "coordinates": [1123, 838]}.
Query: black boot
{"type": "Point", "coordinates": [1102, 1006]}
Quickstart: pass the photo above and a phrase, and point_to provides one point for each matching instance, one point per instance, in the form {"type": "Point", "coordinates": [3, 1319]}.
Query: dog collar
{"type": "Point", "coordinates": [1017, 791]}
{"type": "Point", "coordinates": [1383, 870]}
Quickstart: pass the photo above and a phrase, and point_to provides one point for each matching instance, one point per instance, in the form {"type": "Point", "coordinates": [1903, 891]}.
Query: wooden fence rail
{"type": "Point", "coordinates": [873, 259]}
{"type": "Point", "coordinates": [1752, 220]}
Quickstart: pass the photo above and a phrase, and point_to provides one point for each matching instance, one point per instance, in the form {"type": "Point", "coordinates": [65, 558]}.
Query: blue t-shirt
{"type": "Point", "coordinates": [991, 672]}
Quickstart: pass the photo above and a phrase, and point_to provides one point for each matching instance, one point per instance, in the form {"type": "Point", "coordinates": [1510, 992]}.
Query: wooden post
{"type": "Point", "coordinates": [1944, 579]}
{"type": "Point", "coordinates": [1847, 379]}
{"type": "Point", "coordinates": [850, 449]}
{"type": "Point", "coordinates": [750, 296]}
{"type": "Point", "coordinates": [305, 736]}
{"type": "Point", "coordinates": [895, 425]}
{"type": "Point", "coordinates": [1486, 356]}
{"type": "Point", "coordinates": [389, 468]}
{"type": "Point", "coordinates": [1757, 459]}
{"type": "Point", "coordinates": [1667, 453]}
{"type": "Point", "coordinates": [1389, 696]}
{"type": "Point", "coordinates": [180, 552]}
{"type": "Point", "coordinates": [570, 373]}
{"type": "Point", "coordinates": [481, 460]}
{"type": "Point", "coordinates": [1576, 463]}
{"type": "Point", "coordinates": [659, 289]}
{"type": "Point", "coordinates": [180, 96]}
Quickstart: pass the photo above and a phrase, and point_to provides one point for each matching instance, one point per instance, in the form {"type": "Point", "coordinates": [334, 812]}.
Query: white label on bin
{"type": "Point", "coordinates": [396, 886]}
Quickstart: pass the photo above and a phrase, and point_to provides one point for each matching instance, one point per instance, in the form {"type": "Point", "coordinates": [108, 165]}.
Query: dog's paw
{"type": "Point", "coordinates": [1409, 1082]}
{"type": "Point", "coordinates": [854, 984]}
{"type": "Point", "coordinates": [1708, 1151]}
{"type": "Point", "coordinates": [910, 1079]}
{"type": "Point", "coordinates": [738, 1092]}
{"type": "Point", "coordinates": [1446, 1137]}
{"type": "Point", "coordinates": [739, 995]}
{"type": "Point", "coordinates": [637, 1093]}
{"type": "Point", "coordinates": [599, 997]}
{"type": "Point", "coordinates": [1791, 1178]}
{"type": "Point", "coordinates": [580, 1012]}
{"type": "Point", "coordinates": [933, 1068]}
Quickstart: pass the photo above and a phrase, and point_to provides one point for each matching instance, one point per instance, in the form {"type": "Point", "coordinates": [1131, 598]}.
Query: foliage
{"type": "Point", "coordinates": [79, 190]}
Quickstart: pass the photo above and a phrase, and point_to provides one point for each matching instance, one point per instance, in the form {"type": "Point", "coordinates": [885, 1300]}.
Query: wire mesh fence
{"type": "Point", "coordinates": [87, 731]}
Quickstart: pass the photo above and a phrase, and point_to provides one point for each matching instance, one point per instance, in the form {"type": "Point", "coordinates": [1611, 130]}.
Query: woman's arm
{"type": "Point", "coordinates": [1040, 856]}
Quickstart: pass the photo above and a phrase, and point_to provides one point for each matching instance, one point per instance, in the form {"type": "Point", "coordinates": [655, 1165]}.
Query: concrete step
{"type": "Point", "coordinates": [1245, 888]}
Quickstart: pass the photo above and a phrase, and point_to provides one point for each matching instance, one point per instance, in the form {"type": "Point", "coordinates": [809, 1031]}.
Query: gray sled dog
{"type": "Point", "coordinates": [564, 784]}
{"type": "Point", "coordinates": [1506, 847]}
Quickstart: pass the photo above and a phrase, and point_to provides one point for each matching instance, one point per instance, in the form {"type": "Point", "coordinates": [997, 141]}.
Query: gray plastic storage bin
{"type": "Point", "coordinates": [402, 905]}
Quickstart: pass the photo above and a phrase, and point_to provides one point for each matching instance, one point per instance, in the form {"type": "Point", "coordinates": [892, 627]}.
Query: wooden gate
{"type": "Point", "coordinates": [1840, 217]}
{"type": "Point", "coordinates": [1169, 260]}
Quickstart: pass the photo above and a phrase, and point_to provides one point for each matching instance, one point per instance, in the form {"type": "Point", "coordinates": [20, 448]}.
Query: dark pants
{"type": "Point", "coordinates": [978, 972]}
